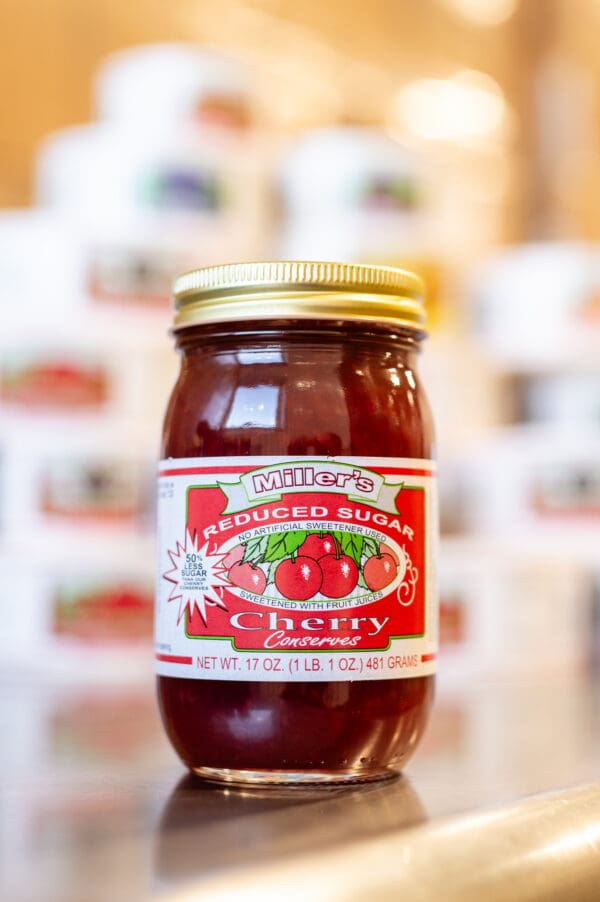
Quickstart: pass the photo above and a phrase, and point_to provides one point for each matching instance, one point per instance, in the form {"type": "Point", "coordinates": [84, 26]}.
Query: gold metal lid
{"type": "Point", "coordinates": [298, 290]}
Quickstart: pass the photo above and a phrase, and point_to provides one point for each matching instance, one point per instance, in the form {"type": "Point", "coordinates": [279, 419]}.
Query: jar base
{"type": "Point", "coordinates": [289, 778]}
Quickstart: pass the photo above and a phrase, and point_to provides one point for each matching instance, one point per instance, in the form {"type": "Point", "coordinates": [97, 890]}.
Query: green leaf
{"type": "Point", "coordinates": [361, 580]}
{"type": "Point", "coordinates": [370, 547]}
{"type": "Point", "coordinates": [282, 545]}
{"type": "Point", "coordinates": [352, 545]}
{"type": "Point", "coordinates": [255, 549]}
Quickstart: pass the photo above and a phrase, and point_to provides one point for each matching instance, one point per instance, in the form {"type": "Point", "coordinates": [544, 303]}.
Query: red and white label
{"type": "Point", "coordinates": [296, 569]}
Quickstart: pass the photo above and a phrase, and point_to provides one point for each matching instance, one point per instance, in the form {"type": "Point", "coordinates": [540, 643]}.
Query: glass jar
{"type": "Point", "coordinates": [296, 619]}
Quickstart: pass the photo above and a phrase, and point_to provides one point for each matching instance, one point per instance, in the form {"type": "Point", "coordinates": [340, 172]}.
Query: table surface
{"type": "Point", "coordinates": [94, 804]}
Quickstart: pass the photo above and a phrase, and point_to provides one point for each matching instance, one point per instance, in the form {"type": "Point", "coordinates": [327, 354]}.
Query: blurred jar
{"type": "Point", "coordinates": [77, 366]}
{"type": "Point", "coordinates": [85, 614]}
{"type": "Point", "coordinates": [352, 193]}
{"type": "Point", "coordinates": [565, 399]}
{"type": "Point", "coordinates": [171, 83]}
{"type": "Point", "coordinates": [540, 484]}
{"type": "Point", "coordinates": [510, 612]}
{"type": "Point", "coordinates": [41, 261]}
{"type": "Point", "coordinates": [539, 304]}
{"type": "Point", "coordinates": [77, 482]}
{"type": "Point", "coordinates": [357, 178]}
{"type": "Point", "coordinates": [150, 200]}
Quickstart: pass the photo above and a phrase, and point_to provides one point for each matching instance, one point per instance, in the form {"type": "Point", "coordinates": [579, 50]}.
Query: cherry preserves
{"type": "Point", "coordinates": [296, 616]}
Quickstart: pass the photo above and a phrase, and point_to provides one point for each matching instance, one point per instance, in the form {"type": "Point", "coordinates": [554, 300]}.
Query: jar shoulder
{"type": "Point", "coordinates": [329, 400]}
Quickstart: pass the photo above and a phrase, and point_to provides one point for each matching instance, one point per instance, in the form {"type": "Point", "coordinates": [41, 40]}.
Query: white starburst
{"type": "Point", "coordinates": [197, 576]}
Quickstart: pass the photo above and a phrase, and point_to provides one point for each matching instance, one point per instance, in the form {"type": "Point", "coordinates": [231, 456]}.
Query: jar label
{"type": "Point", "coordinates": [296, 569]}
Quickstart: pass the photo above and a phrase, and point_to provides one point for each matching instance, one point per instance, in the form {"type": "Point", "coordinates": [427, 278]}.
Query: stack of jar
{"type": "Point", "coordinates": [164, 180]}
{"type": "Point", "coordinates": [529, 490]}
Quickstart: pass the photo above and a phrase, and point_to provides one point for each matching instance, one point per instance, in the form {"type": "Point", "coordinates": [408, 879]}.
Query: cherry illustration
{"type": "Point", "coordinates": [340, 575]}
{"type": "Point", "coordinates": [234, 556]}
{"type": "Point", "coordinates": [316, 546]}
{"type": "Point", "coordinates": [248, 577]}
{"type": "Point", "coordinates": [386, 549]}
{"type": "Point", "coordinates": [298, 579]}
{"type": "Point", "coordinates": [399, 558]}
{"type": "Point", "coordinates": [379, 571]}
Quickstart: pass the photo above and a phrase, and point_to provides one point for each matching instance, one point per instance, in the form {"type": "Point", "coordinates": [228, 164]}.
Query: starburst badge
{"type": "Point", "coordinates": [198, 578]}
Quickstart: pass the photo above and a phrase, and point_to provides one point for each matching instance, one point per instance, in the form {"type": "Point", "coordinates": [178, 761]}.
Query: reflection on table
{"type": "Point", "coordinates": [94, 804]}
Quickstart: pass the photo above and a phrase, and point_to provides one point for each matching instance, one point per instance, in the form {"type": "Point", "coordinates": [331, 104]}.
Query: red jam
{"type": "Point", "coordinates": [302, 389]}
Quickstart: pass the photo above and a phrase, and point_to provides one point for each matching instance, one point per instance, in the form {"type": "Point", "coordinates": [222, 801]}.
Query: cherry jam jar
{"type": "Point", "coordinates": [296, 613]}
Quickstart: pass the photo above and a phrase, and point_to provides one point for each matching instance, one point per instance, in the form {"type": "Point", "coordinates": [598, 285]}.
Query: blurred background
{"type": "Point", "coordinates": [459, 138]}
{"type": "Point", "coordinates": [456, 137]}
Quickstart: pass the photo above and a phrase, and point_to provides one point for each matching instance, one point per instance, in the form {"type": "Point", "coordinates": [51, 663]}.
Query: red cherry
{"type": "Point", "coordinates": [234, 556]}
{"type": "Point", "coordinates": [316, 546]}
{"type": "Point", "coordinates": [399, 559]}
{"type": "Point", "coordinates": [298, 579]}
{"type": "Point", "coordinates": [340, 575]}
{"type": "Point", "coordinates": [379, 571]}
{"type": "Point", "coordinates": [386, 549]}
{"type": "Point", "coordinates": [248, 577]}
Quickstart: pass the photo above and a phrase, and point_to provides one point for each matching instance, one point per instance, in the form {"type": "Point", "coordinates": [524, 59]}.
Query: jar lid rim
{"type": "Point", "coordinates": [303, 289]}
